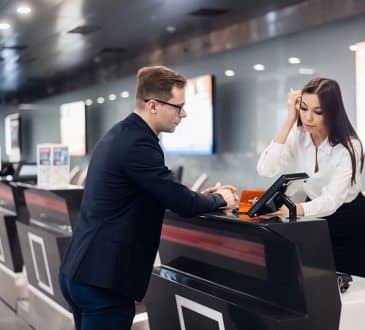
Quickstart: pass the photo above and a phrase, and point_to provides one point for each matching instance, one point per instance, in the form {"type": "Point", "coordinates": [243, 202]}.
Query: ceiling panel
{"type": "Point", "coordinates": [48, 49]}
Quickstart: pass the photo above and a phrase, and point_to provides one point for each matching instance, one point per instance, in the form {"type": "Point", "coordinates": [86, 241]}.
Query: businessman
{"type": "Point", "coordinates": [128, 187]}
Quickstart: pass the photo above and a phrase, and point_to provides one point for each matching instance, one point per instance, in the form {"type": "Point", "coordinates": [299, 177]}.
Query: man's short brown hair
{"type": "Point", "coordinates": [157, 82]}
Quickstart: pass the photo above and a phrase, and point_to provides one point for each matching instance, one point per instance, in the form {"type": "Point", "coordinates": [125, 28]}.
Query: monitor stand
{"type": "Point", "coordinates": [290, 205]}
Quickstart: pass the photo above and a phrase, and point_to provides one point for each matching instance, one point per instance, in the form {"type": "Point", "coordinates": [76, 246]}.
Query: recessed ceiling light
{"type": "Point", "coordinates": [353, 48]}
{"type": "Point", "coordinates": [259, 67]}
{"type": "Point", "coordinates": [170, 29]}
{"type": "Point", "coordinates": [24, 10]}
{"type": "Point", "coordinates": [4, 26]}
{"type": "Point", "coordinates": [89, 102]}
{"type": "Point", "coordinates": [124, 94]}
{"type": "Point", "coordinates": [229, 73]}
{"type": "Point", "coordinates": [100, 100]}
{"type": "Point", "coordinates": [307, 71]}
{"type": "Point", "coordinates": [112, 97]}
{"type": "Point", "coordinates": [294, 60]}
{"type": "Point", "coordinates": [271, 16]}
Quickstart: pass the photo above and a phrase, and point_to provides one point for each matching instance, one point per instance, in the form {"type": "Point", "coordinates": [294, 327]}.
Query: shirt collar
{"type": "Point", "coordinates": [325, 145]}
{"type": "Point", "coordinates": [307, 139]}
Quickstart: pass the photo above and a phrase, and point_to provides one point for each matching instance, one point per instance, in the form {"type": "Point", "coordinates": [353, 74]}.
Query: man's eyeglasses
{"type": "Point", "coordinates": [178, 107]}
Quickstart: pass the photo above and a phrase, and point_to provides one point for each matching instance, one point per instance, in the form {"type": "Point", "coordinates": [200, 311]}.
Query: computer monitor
{"type": "Point", "coordinates": [13, 137]}
{"type": "Point", "coordinates": [73, 127]}
{"type": "Point", "coordinates": [195, 133]}
{"type": "Point", "coordinates": [26, 172]}
{"type": "Point", "coordinates": [275, 196]}
{"type": "Point", "coordinates": [7, 168]}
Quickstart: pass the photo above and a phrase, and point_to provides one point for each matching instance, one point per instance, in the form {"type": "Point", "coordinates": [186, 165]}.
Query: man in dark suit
{"type": "Point", "coordinates": [128, 187]}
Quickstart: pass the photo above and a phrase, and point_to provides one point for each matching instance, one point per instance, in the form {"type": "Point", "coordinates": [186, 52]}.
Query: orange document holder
{"type": "Point", "coordinates": [249, 198]}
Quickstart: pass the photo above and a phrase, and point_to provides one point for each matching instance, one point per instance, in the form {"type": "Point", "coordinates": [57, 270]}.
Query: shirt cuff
{"type": "Point", "coordinates": [306, 209]}
{"type": "Point", "coordinates": [220, 200]}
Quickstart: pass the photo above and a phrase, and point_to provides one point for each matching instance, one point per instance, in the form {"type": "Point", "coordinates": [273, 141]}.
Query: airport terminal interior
{"type": "Point", "coordinates": [68, 74]}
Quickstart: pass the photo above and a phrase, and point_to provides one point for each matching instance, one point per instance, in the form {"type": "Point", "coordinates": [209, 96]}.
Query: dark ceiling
{"type": "Point", "coordinates": [62, 37]}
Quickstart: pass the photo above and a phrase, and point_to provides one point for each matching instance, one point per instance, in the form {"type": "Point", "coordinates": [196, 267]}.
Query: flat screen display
{"type": "Point", "coordinates": [12, 137]}
{"type": "Point", "coordinates": [27, 170]}
{"type": "Point", "coordinates": [195, 133]}
{"type": "Point", "coordinates": [272, 199]}
{"type": "Point", "coordinates": [73, 127]}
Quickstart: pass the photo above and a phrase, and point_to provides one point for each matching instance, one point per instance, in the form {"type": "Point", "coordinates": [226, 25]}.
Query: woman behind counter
{"type": "Point", "coordinates": [323, 144]}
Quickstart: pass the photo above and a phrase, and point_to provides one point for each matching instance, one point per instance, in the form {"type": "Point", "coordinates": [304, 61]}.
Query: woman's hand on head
{"type": "Point", "coordinates": [293, 105]}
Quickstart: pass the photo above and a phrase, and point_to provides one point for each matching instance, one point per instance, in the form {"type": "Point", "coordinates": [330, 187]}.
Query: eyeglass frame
{"type": "Point", "coordinates": [179, 107]}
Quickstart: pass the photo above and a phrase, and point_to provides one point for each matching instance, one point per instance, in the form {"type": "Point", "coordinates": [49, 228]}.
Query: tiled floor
{"type": "Point", "coordinates": [10, 321]}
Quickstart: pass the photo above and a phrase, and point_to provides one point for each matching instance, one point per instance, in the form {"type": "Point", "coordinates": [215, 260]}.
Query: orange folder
{"type": "Point", "coordinates": [248, 199]}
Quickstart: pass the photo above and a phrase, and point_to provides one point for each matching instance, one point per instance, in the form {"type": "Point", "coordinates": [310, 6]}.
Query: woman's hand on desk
{"type": "Point", "coordinates": [284, 211]}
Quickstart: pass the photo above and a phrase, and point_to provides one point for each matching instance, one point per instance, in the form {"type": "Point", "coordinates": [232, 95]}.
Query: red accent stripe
{"type": "Point", "coordinates": [6, 194]}
{"type": "Point", "coordinates": [242, 250]}
{"type": "Point", "coordinates": [45, 202]}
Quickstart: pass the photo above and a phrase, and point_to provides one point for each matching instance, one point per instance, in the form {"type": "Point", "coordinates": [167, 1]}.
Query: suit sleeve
{"type": "Point", "coordinates": [144, 165]}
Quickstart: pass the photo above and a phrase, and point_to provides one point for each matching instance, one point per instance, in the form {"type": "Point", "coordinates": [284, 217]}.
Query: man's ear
{"type": "Point", "coordinates": [152, 107]}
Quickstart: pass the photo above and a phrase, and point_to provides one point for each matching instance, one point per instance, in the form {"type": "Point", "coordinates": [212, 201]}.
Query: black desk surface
{"type": "Point", "coordinates": [286, 265]}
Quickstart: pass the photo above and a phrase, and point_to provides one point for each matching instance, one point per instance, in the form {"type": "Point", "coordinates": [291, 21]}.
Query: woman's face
{"type": "Point", "coordinates": [312, 116]}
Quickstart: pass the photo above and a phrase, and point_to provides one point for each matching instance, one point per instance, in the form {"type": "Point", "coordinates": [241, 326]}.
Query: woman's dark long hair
{"type": "Point", "coordinates": [339, 127]}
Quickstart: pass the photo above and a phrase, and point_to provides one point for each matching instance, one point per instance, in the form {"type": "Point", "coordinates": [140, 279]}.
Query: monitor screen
{"type": "Point", "coordinates": [27, 169]}
{"type": "Point", "coordinates": [195, 134]}
{"type": "Point", "coordinates": [73, 127]}
{"type": "Point", "coordinates": [272, 199]}
{"type": "Point", "coordinates": [12, 137]}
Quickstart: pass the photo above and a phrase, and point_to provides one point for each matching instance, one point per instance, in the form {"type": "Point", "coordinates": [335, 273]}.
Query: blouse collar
{"type": "Point", "coordinates": [324, 146]}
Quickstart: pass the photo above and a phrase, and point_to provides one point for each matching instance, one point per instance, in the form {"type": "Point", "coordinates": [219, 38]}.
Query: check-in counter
{"type": "Point", "coordinates": [12, 278]}
{"type": "Point", "coordinates": [44, 240]}
{"type": "Point", "coordinates": [221, 272]}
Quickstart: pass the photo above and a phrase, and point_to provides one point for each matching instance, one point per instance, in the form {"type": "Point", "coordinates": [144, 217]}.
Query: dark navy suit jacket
{"type": "Point", "coordinates": [127, 190]}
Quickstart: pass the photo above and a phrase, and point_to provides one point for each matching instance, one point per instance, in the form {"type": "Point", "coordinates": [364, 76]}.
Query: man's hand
{"type": "Point", "coordinates": [218, 186]}
{"type": "Point", "coordinates": [229, 196]}
{"type": "Point", "coordinates": [228, 192]}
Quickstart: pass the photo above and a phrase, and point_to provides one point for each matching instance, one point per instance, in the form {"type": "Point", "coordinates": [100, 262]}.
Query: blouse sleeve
{"type": "Point", "coordinates": [334, 194]}
{"type": "Point", "coordinates": [276, 157]}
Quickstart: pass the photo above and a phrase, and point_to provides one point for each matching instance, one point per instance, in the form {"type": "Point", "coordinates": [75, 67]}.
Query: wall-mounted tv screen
{"type": "Point", "coordinates": [73, 127]}
{"type": "Point", "coordinates": [13, 137]}
{"type": "Point", "coordinates": [195, 133]}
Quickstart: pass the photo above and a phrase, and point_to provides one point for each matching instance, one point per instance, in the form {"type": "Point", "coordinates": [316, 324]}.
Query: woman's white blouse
{"type": "Point", "coordinates": [330, 187]}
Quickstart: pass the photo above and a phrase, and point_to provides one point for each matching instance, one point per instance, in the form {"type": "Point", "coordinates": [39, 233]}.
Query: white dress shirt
{"type": "Point", "coordinates": [328, 188]}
